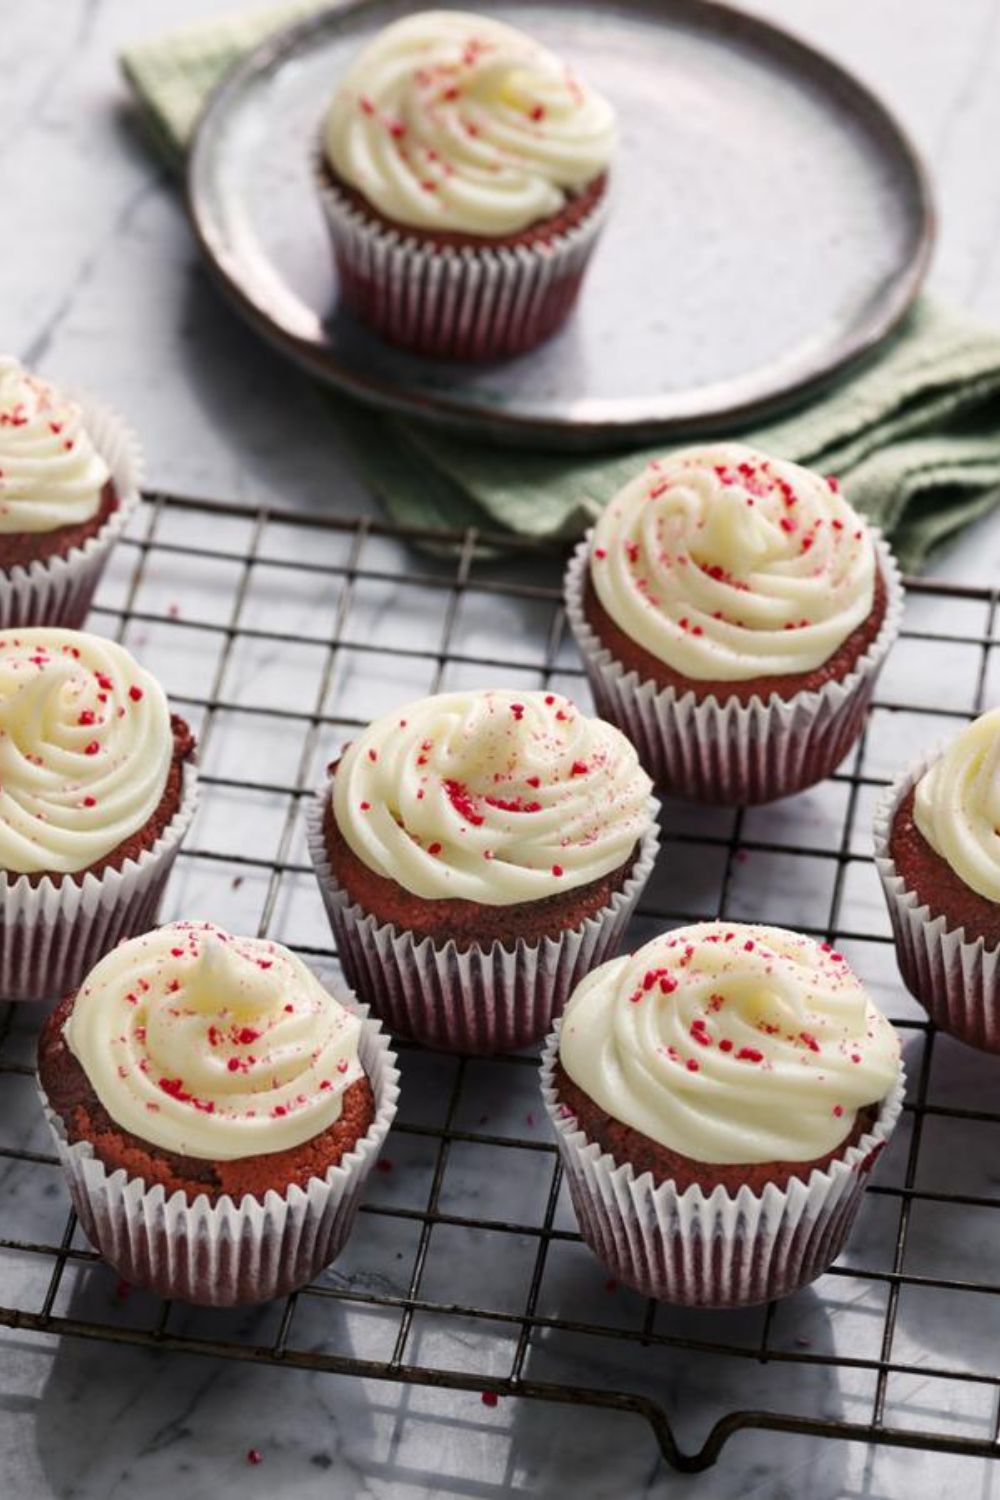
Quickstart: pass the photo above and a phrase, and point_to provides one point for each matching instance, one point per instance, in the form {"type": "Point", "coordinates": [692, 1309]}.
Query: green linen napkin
{"type": "Point", "coordinates": [913, 434]}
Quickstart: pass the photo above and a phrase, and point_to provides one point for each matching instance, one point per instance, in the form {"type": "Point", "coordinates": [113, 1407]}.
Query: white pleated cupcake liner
{"type": "Point", "coordinates": [478, 1000]}
{"type": "Point", "coordinates": [955, 980]}
{"type": "Point", "coordinates": [53, 933]}
{"type": "Point", "coordinates": [225, 1253]}
{"type": "Point", "coordinates": [733, 753]}
{"type": "Point", "coordinates": [445, 301]}
{"type": "Point", "coordinates": [59, 590]}
{"type": "Point", "coordinates": [712, 1250]}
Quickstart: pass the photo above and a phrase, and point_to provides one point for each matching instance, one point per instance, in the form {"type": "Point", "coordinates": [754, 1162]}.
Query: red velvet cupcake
{"type": "Point", "coordinates": [69, 480]}
{"type": "Point", "coordinates": [216, 1112]}
{"type": "Point", "coordinates": [98, 789]}
{"type": "Point", "coordinates": [719, 1098]}
{"type": "Point", "coordinates": [733, 613]}
{"type": "Point", "coordinates": [937, 851]}
{"type": "Point", "coordinates": [463, 174]}
{"type": "Point", "coordinates": [477, 853]}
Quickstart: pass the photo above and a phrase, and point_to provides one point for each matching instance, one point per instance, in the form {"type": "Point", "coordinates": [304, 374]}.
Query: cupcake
{"type": "Point", "coordinates": [477, 853]}
{"type": "Point", "coordinates": [937, 850]}
{"type": "Point", "coordinates": [719, 1098]}
{"type": "Point", "coordinates": [733, 613]}
{"type": "Point", "coordinates": [97, 790]}
{"type": "Point", "coordinates": [69, 479]}
{"type": "Point", "coordinates": [463, 171]}
{"type": "Point", "coordinates": [216, 1112]}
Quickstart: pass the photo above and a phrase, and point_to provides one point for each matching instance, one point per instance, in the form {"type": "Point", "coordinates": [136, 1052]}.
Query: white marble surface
{"type": "Point", "coordinates": [99, 283]}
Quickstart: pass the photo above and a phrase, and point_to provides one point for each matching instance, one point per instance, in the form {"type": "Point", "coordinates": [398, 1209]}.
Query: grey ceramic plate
{"type": "Point", "coordinates": [771, 223]}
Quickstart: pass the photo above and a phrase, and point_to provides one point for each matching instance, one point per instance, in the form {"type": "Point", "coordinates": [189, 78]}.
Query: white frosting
{"type": "Point", "coordinates": [51, 474]}
{"type": "Point", "coordinates": [456, 122]}
{"type": "Point", "coordinates": [213, 1046]}
{"type": "Point", "coordinates": [728, 565]}
{"type": "Point", "coordinates": [957, 805]}
{"type": "Point", "coordinates": [85, 748]}
{"type": "Point", "coordinates": [496, 797]}
{"type": "Point", "coordinates": [730, 1044]}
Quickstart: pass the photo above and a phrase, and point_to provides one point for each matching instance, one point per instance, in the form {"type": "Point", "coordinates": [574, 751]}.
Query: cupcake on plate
{"type": "Point", "coordinates": [719, 1098]}
{"type": "Point", "coordinates": [69, 479]}
{"type": "Point", "coordinates": [216, 1112]}
{"type": "Point", "coordinates": [463, 171]}
{"type": "Point", "coordinates": [937, 850]}
{"type": "Point", "coordinates": [477, 853]}
{"type": "Point", "coordinates": [733, 612]}
{"type": "Point", "coordinates": [97, 789]}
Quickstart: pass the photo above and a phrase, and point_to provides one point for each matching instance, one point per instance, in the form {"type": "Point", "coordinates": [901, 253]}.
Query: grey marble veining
{"type": "Point", "coordinates": [99, 284]}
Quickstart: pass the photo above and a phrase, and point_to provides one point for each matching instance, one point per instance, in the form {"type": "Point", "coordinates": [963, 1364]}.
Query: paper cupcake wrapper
{"type": "Point", "coordinates": [59, 590]}
{"type": "Point", "coordinates": [480, 1000]}
{"type": "Point", "coordinates": [712, 1250]}
{"type": "Point", "coordinates": [733, 753]}
{"type": "Point", "coordinates": [449, 302]}
{"type": "Point", "coordinates": [226, 1253]}
{"type": "Point", "coordinates": [955, 980]}
{"type": "Point", "coordinates": [52, 935]}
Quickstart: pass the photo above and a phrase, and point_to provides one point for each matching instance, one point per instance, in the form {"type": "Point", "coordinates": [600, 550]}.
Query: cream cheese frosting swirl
{"type": "Point", "coordinates": [51, 474]}
{"type": "Point", "coordinates": [730, 1044]}
{"type": "Point", "coordinates": [85, 748]}
{"type": "Point", "coordinates": [496, 797]}
{"type": "Point", "coordinates": [213, 1046]}
{"type": "Point", "coordinates": [455, 122]}
{"type": "Point", "coordinates": [728, 565]}
{"type": "Point", "coordinates": [956, 805]}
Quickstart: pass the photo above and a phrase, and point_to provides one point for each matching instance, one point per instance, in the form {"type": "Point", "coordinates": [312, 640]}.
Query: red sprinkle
{"type": "Point", "coordinates": [92, 748]}
{"type": "Point", "coordinates": [136, 694]}
{"type": "Point", "coordinates": [579, 768]}
{"type": "Point", "coordinates": [557, 870]}
{"type": "Point", "coordinates": [489, 1398]}
{"type": "Point", "coordinates": [90, 801]}
{"type": "Point", "coordinates": [434, 848]}
{"type": "Point", "coordinates": [749, 1054]}
{"type": "Point", "coordinates": [517, 709]}
{"type": "Point", "coordinates": [254, 1456]}
{"type": "Point", "coordinates": [693, 1066]}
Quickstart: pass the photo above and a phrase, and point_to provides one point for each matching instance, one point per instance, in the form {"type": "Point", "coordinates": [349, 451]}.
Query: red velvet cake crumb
{"type": "Point", "coordinates": [627, 1145]}
{"type": "Point", "coordinates": [467, 923]}
{"type": "Point", "coordinates": [72, 1097]}
{"type": "Point", "coordinates": [936, 884]}
{"type": "Point", "coordinates": [634, 657]}
{"type": "Point", "coordinates": [24, 547]}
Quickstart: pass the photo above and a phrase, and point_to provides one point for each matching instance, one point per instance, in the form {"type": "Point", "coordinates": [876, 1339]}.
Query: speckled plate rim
{"type": "Point", "coordinates": [602, 423]}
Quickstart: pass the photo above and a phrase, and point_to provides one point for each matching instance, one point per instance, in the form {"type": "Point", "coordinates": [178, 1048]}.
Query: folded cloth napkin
{"type": "Point", "coordinates": [913, 433]}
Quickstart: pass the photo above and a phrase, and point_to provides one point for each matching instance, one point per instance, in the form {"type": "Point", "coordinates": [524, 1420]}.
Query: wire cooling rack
{"type": "Point", "coordinates": [278, 634]}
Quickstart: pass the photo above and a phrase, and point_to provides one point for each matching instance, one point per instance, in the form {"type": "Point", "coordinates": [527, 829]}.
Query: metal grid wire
{"type": "Point", "coordinates": [465, 1270]}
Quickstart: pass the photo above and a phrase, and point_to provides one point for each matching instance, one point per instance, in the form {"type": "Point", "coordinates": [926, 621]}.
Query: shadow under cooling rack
{"type": "Point", "coordinates": [277, 634]}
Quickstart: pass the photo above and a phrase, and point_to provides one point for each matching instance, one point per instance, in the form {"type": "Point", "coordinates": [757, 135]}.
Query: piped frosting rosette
{"type": "Point", "coordinates": [954, 974]}
{"type": "Point", "coordinates": [724, 1043]}
{"type": "Point", "coordinates": [497, 798]}
{"type": "Point", "coordinates": [220, 1048]}
{"type": "Point", "coordinates": [733, 578]}
{"type": "Point", "coordinates": [450, 139]}
{"type": "Point", "coordinates": [87, 747]}
{"type": "Point", "coordinates": [59, 454]}
{"type": "Point", "coordinates": [455, 122]}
